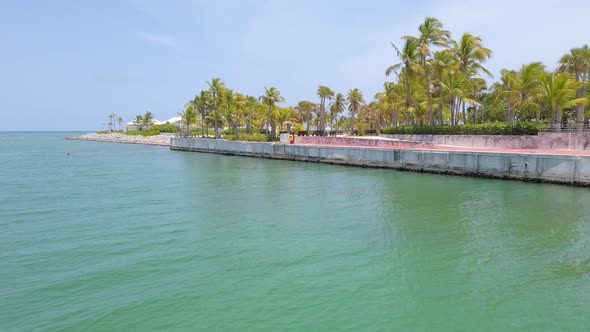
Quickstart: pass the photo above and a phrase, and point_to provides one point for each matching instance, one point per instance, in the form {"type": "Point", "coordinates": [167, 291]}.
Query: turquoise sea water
{"type": "Point", "coordinates": [127, 237]}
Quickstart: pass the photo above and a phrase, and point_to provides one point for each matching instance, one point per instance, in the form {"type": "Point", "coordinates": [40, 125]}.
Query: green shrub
{"type": "Point", "coordinates": [248, 138]}
{"type": "Point", "coordinates": [515, 128]}
{"type": "Point", "coordinates": [143, 133]}
{"type": "Point", "coordinates": [198, 132]}
{"type": "Point", "coordinates": [165, 128]}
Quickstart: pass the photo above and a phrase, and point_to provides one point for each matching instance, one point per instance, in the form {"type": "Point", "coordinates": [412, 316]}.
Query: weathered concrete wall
{"type": "Point", "coordinates": [357, 141]}
{"type": "Point", "coordinates": [528, 167]}
{"type": "Point", "coordinates": [545, 140]}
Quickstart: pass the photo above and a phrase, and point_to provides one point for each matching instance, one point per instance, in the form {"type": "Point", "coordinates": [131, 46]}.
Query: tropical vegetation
{"type": "Point", "coordinates": [437, 84]}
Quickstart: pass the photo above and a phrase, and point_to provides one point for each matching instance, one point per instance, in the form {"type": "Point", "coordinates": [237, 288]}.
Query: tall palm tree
{"type": "Point", "coordinates": [443, 62]}
{"type": "Point", "coordinates": [558, 91]}
{"type": "Point", "coordinates": [285, 116]}
{"type": "Point", "coordinates": [471, 55]}
{"type": "Point", "coordinates": [392, 100]}
{"type": "Point", "coordinates": [431, 33]}
{"type": "Point", "coordinates": [271, 97]}
{"type": "Point", "coordinates": [251, 104]}
{"type": "Point", "coordinates": [355, 101]}
{"type": "Point", "coordinates": [577, 63]}
{"type": "Point", "coordinates": [306, 109]}
{"type": "Point", "coordinates": [148, 119]}
{"type": "Point", "coordinates": [338, 106]}
{"type": "Point", "coordinates": [138, 120]}
{"type": "Point", "coordinates": [232, 105]}
{"type": "Point", "coordinates": [188, 117]}
{"type": "Point", "coordinates": [216, 87]}
{"type": "Point", "coordinates": [201, 103]}
{"type": "Point", "coordinates": [507, 91]}
{"type": "Point", "coordinates": [120, 121]}
{"type": "Point", "coordinates": [227, 99]}
{"type": "Point", "coordinates": [324, 93]}
{"type": "Point", "coordinates": [112, 118]}
{"type": "Point", "coordinates": [528, 86]}
{"type": "Point", "coordinates": [410, 58]}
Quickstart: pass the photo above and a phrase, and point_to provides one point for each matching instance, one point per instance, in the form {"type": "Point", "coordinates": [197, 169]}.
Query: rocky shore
{"type": "Point", "coordinates": [162, 139]}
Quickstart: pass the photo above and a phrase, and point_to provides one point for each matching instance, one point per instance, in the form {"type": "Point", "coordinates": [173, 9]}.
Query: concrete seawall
{"type": "Point", "coordinates": [545, 140]}
{"type": "Point", "coordinates": [573, 170]}
{"type": "Point", "coordinates": [363, 141]}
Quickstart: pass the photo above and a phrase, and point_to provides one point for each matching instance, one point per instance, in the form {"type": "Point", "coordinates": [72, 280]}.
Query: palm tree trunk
{"type": "Point", "coordinates": [431, 113]}
{"type": "Point", "coordinates": [236, 130]}
{"type": "Point", "coordinates": [580, 108]}
{"type": "Point", "coordinates": [558, 116]}
{"type": "Point", "coordinates": [408, 91]}
{"type": "Point", "coordinates": [440, 106]}
{"type": "Point", "coordinates": [322, 115]}
{"type": "Point", "coordinates": [268, 121]}
{"type": "Point", "coordinates": [453, 111]}
{"type": "Point", "coordinates": [463, 111]}
{"type": "Point", "coordinates": [249, 129]}
{"type": "Point", "coordinates": [216, 123]}
{"type": "Point", "coordinates": [202, 124]}
{"type": "Point", "coordinates": [352, 111]}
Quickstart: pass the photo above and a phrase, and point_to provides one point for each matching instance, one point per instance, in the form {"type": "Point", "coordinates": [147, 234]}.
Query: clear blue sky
{"type": "Point", "coordinates": [65, 65]}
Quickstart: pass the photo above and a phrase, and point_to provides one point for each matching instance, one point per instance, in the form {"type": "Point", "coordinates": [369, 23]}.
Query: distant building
{"type": "Point", "coordinates": [133, 126]}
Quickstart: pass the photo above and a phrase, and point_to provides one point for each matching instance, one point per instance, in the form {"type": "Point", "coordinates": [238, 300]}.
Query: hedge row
{"type": "Point", "coordinates": [514, 128]}
{"type": "Point", "coordinates": [248, 138]}
{"type": "Point", "coordinates": [165, 128]}
{"type": "Point", "coordinates": [143, 133]}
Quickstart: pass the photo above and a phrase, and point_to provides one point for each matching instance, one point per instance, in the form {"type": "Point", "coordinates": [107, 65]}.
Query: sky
{"type": "Point", "coordinates": [66, 65]}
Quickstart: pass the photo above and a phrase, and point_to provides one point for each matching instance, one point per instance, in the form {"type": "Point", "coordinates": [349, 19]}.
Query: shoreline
{"type": "Point", "coordinates": [527, 167]}
{"type": "Point", "coordinates": [159, 140]}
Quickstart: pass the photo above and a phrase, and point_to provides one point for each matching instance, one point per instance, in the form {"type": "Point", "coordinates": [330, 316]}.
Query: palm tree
{"type": "Point", "coordinates": [355, 101]}
{"type": "Point", "coordinates": [148, 119]}
{"type": "Point", "coordinates": [527, 84]}
{"type": "Point", "coordinates": [188, 117]}
{"type": "Point", "coordinates": [216, 87]}
{"type": "Point", "coordinates": [324, 93]}
{"type": "Point", "coordinates": [443, 62]}
{"type": "Point", "coordinates": [410, 57]}
{"type": "Point", "coordinates": [431, 33]}
{"type": "Point", "coordinates": [285, 116]}
{"type": "Point", "coordinates": [251, 104]}
{"type": "Point", "coordinates": [201, 103]}
{"type": "Point", "coordinates": [271, 97]}
{"type": "Point", "coordinates": [393, 98]}
{"type": "Point", "coordinates": [112, 118]}
{"type": "Point", "coordinates": [507, 91]}
{"type": "Point", "coordinates": [120, 121]}
{"type": "Point", "coordinates": [338, 106]}
{"type": "Point", "coordinates": [577, 63]}
{"type": "Point", "coordinates": [306, 109]}
{"type": "Point", "coordinates": [558, 91]}
{"type": "Point", "coordinates": [227, 105]}
{"type": "Point", "coordinates": [470, 55]}
{"type": "Point", "coordinates": [232, 104]}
